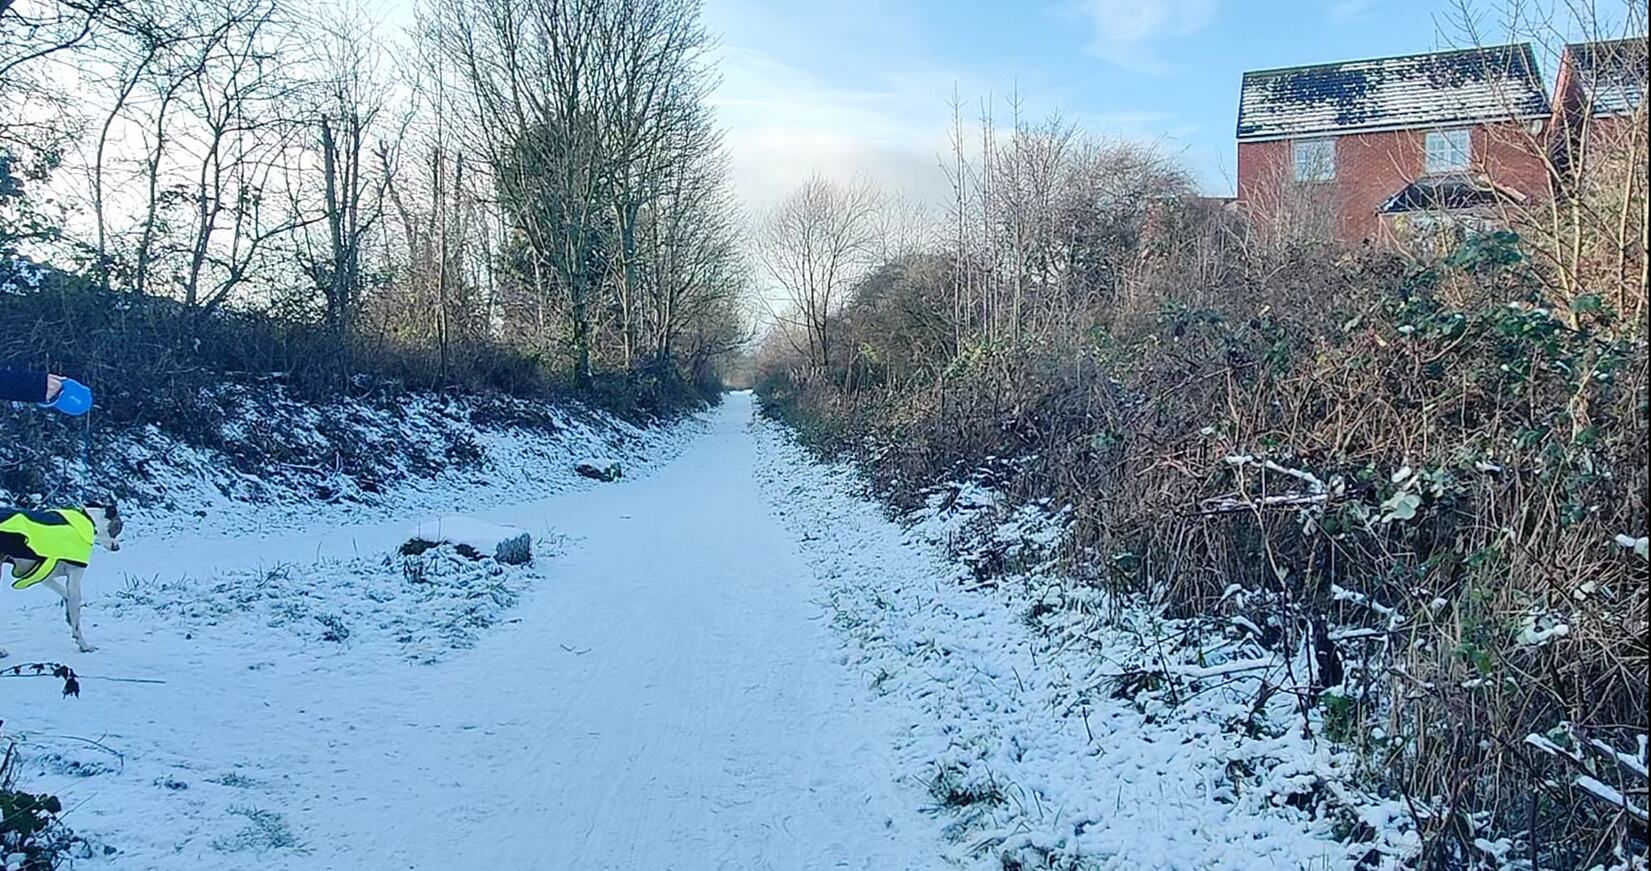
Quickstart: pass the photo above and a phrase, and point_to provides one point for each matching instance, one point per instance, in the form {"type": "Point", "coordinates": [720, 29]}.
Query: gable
{"type": "Point", "coordinates": [1423, 90]}
{"type": "Point", "coordinates": [1610, 75]}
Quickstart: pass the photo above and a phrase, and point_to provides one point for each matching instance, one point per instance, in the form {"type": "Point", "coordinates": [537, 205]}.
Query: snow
{"type": "Point", "coordinates": [730, 659]}
{"type": "Point", "coordinates": [1639, 545]}
{"type": "Point", "coordinates": [427, 603]}
{"type": "Point", "coordinates": [1533, 635]}
{"type": "Point", "coordinates": [417, 437]}
{"type": "Point", "coordinates": [1628, 761]}
{"type": "Point", "coordinates": [1609, 794]}
{"type": "Point", "coordinates": [1013, 723]}
{"type": "Point", "coordinates": [661, 694]}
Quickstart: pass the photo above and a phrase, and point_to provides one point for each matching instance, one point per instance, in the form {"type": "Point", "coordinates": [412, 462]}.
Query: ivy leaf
{"type": "Point", "coordinates": [1587, 303]}
{"type": "Point", "coordinates": [1401, 506]}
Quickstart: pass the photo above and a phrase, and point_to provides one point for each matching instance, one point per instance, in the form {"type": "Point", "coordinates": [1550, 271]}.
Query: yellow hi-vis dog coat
{"type": "Point", "coordinates": [47, 538]}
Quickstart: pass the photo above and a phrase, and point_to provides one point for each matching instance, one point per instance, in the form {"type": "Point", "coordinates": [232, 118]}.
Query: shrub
{"type": "Point", "coordinates": [1433, 454]}
{"type": "Point", "coordinates": [155, 360]}
{"type": "Point", "coordinates": [516, 551]}
{"type": "Point", "coordinates": [31, 834]}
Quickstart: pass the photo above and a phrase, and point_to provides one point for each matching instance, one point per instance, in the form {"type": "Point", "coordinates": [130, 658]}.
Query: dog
{"type": "Point", "coordinates": [54, 547]}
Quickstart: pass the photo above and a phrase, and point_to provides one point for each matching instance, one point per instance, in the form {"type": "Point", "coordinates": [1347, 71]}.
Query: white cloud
{"type": "Point", "coordinates": [1129, 32]}
{"type": "Point", "coordinates": [783, 123]}
{"type": "Point", "coordinates": [1348, 10]}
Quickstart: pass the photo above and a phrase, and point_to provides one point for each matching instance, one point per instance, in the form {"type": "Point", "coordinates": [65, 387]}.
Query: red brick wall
{"type": "Point", "coordinates": [1571, 124]}
{"type": "Point", "coordinates": [1611, 129]}
{"type": "Point", "coordinates": [1567, 90]}
{"type": "Point", "coordinates": [1371, 167]}
{"type": "Point", "coordinates": [1511, 154]}
{"type": "Point", "coordinates": [1259, 165]}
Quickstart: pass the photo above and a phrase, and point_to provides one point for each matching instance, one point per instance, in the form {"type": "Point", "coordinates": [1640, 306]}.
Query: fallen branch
{"type": "Point", "coordinates": [1234, 503]}
{"type": "Point", "coordinates": [71, 683]}
{"type": "Point", "coordinates": [1199, 672]}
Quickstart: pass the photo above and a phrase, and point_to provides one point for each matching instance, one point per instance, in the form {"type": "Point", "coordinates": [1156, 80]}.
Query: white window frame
{"type": "Point", "coordinates": [1447, 151]}
{"type": "Point", "coordinates": [1313, 160]}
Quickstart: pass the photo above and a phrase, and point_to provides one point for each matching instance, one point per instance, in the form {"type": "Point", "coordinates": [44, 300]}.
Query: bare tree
{"type": "Point", "coordinates": [689, 254]}
{"type": "Point", "coordinates": [240, 109]}
{"type": "Point", "coordinates": [532, 71]}
{"type": "Point", "coordinates": [598, 143]}
{"type": "Point", "coordinates": [814, 246]}
{"type": "Point", "coordinates": [354, 95]}
{"type": "Point", "coordinates": [38, 117]}
{"type": "Point", "coordinates": [166, 83]}
{"type": "Point", "coordinates": [655, 85]}
{"type": "Point", "coordinates": [146, 38]}
{"type": "Point", "coordinates": [34, 30]}
{"type": "Point", "coordinates": [546, 175]}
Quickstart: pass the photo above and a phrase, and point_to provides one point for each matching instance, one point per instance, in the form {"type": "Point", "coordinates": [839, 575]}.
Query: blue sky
{"type": "Point", "coordinates": [861, 88]}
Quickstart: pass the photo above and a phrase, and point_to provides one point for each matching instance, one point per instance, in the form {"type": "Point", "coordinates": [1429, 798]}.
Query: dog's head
{"type": "Point", "coordinates": [106, 524]}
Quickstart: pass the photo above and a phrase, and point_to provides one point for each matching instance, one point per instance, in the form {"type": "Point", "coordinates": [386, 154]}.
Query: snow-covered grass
{"type": "Point", "coordinates": [737, 647]}
{"type": "Point", "coordinates": [495, 460]}
{"type": "Point", "coordinates": [285, 638]}
{"type": "Point", "coordinates": [428, 602]}
{"type": "Point", "coordinates": [261, 461]}
{"type": "Point", "coordinates": [1052, 728]}
{"type": "Point", "coordinates": [246, 631]}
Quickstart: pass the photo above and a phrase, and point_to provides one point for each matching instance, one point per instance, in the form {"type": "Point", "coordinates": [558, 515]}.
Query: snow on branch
{"type": "Point", "coordinates": [1610, 795]}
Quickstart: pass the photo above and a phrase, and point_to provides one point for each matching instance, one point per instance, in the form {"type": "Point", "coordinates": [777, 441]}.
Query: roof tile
{"type": "Point", "coordinates": [1420, 90]}
{"type": "Point", "coordinates": [1611, 74]}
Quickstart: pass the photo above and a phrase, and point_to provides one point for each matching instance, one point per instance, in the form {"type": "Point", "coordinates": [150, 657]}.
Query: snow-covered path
{"type": "Point", "coordinates": [732, 662]}
{"type": "Point", "coordinates": [668, 702]}
{"type": "Point", "coordinates": [666, 698]}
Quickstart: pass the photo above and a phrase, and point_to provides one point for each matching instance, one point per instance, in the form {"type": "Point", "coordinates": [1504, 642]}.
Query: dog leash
{"type": "Point", "coordinates": [82, 481]}
{"type": "Point", "coordinates": [85, 458]}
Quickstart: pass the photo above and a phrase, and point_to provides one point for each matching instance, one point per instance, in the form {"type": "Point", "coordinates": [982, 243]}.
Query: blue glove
{"type": "Point", "coordinates": [73, 399]}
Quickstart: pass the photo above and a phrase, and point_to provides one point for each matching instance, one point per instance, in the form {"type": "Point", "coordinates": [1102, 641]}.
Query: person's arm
{"type": "Point", "coordinates": [17, 385]}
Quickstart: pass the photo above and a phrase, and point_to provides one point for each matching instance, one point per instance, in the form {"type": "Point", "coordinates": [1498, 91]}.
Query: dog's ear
{"type": "Point", "coordinates": [112, 524]}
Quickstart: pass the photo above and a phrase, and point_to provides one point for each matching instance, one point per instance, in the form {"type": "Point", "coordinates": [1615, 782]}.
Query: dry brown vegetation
{"type": "Point", "coordinates": [1429, 472]}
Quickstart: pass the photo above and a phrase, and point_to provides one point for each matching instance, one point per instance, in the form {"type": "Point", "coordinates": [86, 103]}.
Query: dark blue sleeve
{"type": "Point", "coordinates": [17, 385]}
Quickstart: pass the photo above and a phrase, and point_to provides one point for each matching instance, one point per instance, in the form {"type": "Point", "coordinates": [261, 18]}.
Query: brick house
{"type": "Point", "coordinates": [1599, 91]}
{"type": "Point", "coordinates": [1359, 142]}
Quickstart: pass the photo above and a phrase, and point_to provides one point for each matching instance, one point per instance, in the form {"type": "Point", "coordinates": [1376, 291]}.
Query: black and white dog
{"type": "Point", "coordinates": [54, 548]}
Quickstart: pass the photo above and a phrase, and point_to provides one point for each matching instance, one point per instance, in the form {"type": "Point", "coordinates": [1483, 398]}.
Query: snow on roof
{"type": "Point", "coordinates": [1419, 90]}
{"type": "Point", "coordinates": [1611, 74]}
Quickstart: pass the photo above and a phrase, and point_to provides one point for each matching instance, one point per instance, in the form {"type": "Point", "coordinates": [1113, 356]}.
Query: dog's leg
{"type": "Point", "coordinates": [62, 592]}
{"type": "Point", "coordinates": [71, 608]}
{"type": "Point", "coordinates": [56, 586]}
{"type": "Point", "coordinates": [4, 564]}
{"type": "Point", "coordinates": [69, 589]}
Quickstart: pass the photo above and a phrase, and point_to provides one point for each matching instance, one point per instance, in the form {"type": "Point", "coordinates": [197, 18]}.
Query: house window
{"type": "Point", "coordinates": [1315, 159]}
{"type": "Point", "coordinates": [1449, 151]}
